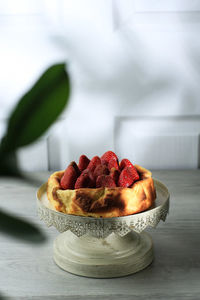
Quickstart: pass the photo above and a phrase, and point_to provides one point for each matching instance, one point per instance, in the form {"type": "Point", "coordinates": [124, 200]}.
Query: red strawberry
{"type": "Point", "coordinates": [83, 162]}
{"type": "Point", "coordinates": [125, 163]}
{"type": "Point", "coordinates": [74, 165]}
{"type": "Point", "coordinates": [135, 174]}
{"type": "Point", "coordinates": [114, 173]}
{"type": "Point", "coordinates": [128, 176]}
{"type": "Point", "coordinates": [84, 181]}
{"type": "Point", "coordinates": [113, 163]}
{"type": "Point", "coordinates": [95, 161]}
{"type": "Point", "coordinates": [105, 181]}
{"type": "Point", "coordinates": [104, 163]}
{"type": "Point", "coordinates": [107, 156]}
{"type": "Point", "coordinates": [90, 174]}
{"type": "Point", "coordinates": [69, 178]}
{"type": "Point", "coordinates": [100, 170]}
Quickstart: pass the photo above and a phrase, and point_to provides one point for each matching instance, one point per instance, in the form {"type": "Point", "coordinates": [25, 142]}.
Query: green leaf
{"type": "Point", "coordinates": [37, 109]}
{"type": "Point", "coordinates": [9, 165]}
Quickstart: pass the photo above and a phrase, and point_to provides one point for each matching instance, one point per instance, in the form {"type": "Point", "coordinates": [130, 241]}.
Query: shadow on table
{"type": "Point", "coordinates": [2, 297]}
{"type": "Point", "coordinates": [18, 228]}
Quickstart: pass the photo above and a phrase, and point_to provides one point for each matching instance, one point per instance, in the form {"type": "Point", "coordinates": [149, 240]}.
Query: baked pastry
{"type": "Point", "coordinates": [101, 187]}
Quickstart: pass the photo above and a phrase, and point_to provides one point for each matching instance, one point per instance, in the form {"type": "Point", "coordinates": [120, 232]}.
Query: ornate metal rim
{"type": "Point", "coordinates": [102, 227]}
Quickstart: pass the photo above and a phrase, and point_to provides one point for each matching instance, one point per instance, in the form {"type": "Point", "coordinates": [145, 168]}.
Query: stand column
{"type": "Point", "coordinates": [114, 256]}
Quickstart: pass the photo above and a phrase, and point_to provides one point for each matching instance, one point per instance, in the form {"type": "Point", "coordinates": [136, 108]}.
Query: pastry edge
{"type": "Point", "coordinates": [103, 202]}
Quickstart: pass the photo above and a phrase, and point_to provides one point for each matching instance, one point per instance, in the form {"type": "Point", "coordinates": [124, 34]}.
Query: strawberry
{"type": "Point", "coordinates": [114, 173]}
{"type": "Point", "coordinates": [95, 161]}
{"type": "Point", "coordinates": [84, 181]}
{"type": "Point", "coordinates": [125, 163]}
{"type": "Point", "coordinates": [135, 174]}
{"type": "Point", "coordinates": [73, 163]}
{"type": "Point", "coordinates": [105, 181]}
{"type": "Point", "coordinates": [113, 163]}
{"type": "Point", "coordinates": [107, 156]}
{"type": "Point", "coordinates": [128, 176]}
{"type": "Point", "coordinates": [69, 178]}
{"type": "Point", "coordinates": [100, 170]}
{"type": "Point", "coordinates": [83, 162]}
{"type": "Point", "coordinates": [90, 174]}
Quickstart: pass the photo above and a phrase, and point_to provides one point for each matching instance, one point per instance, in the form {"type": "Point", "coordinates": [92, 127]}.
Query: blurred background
{"type": "Point", "coordinates": [134, 67]}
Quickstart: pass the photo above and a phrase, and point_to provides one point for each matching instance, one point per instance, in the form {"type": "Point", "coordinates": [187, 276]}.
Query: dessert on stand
{"type": "Point", "coordinates": [101, 208]}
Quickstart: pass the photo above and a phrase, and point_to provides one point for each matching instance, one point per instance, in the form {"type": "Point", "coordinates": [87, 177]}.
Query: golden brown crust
{"type": "Point", "coordinates": [103, 202]}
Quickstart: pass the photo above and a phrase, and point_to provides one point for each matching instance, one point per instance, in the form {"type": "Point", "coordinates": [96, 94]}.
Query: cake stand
{"type": "Point", "coordinates": [103, 247]}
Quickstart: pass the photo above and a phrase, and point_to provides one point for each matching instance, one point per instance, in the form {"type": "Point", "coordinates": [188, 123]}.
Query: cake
{"type": "Point", "coordinates": [101, 187]}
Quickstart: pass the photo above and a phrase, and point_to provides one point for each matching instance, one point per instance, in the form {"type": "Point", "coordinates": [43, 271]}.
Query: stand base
{"type": "Point", "coordinates": [113, 256]}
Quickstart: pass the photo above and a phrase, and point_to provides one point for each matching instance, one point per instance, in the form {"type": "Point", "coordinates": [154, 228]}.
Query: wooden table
{"type": "Point", "coordinates": [27, 270]}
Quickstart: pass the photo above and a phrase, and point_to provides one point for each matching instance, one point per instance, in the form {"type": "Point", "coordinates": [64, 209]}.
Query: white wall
{"type": "Point", "coordinates": [27, 49]}
{"type": "Point", "coordinates": [128, 60]}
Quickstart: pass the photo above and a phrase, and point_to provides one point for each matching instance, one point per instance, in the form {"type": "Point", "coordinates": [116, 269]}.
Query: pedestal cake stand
{"type": "Point", "coordinates": [103, 247]}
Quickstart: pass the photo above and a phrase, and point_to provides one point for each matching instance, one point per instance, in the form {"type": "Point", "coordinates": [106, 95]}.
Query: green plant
{"type": "Point", "coordinates": [32, 116]}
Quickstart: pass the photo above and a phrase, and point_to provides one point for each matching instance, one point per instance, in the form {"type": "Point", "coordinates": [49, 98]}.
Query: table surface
{"type": "Point", "coordinates": [27, 270]}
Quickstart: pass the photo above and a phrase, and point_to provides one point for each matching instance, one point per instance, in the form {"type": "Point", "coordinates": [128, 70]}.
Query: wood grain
{"type": "Point", "coordinates": [27, 271]}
